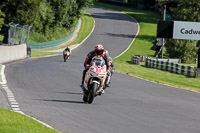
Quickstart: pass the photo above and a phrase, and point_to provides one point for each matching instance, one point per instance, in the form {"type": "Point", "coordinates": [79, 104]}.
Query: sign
{"type": "Point", "coordinates": [186, 30]}
{"type": "Point", "coordinates": [165, 29]}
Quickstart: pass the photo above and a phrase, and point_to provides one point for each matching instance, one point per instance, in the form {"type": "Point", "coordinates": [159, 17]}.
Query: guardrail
{"type": "Point", "coordinates": [172, 67]}
{"type": "Point", "coordinates": [50, 44]}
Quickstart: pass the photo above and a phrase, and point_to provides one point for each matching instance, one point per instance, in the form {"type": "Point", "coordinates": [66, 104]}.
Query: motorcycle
{"type": "Point", "coordinates": [66, 55]}
{"type": "Point", "coordinates": [95, 78]}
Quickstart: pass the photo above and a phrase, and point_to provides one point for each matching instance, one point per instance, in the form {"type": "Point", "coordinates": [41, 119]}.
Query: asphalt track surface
{"type": "Point", "coordinates": [48, 89]}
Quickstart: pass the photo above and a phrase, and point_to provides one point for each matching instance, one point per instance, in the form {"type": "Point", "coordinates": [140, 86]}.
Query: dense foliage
{"type": "Point", "coordinates": [183, 10]}
{"type": "Point", "coordinates": [2, 15]}
{"type": "Point", "coordinates": [45, 16]}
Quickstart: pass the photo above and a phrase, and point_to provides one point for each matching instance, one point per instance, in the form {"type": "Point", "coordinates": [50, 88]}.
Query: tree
{"type": "Point", "coordinates": [187, 10]}
{"type": "Point", "coordinates": [184, 10]}
{"type": "Point", "coordinates": [20, 11]}
{"type": "Point", "coordinates": [2, 15]}
{"type": "Point", "coordinates": [60, 9]}
{"type": "Point", "coordinates": [44, 18]}
{"type": "Point", "coordinates": [84, 4]}
{"type": "Point", "coordinates": [182, 49]}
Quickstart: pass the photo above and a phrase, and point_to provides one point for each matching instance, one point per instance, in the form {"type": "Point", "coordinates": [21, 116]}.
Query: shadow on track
{"type": "Point", "coordinates": [73, 93]}
{"type": "Point", "coordinates": [67, 101]}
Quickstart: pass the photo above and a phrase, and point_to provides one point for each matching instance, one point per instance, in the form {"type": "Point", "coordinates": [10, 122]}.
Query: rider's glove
{"type": "Point", "coordinates": [87, 66]}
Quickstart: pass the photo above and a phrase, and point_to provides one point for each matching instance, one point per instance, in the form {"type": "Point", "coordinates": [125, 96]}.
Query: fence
{"type": "Point", "coordinates": [172, 67]}
{"type": "Point", "coordinates": [50, 44]}
{"type": "Point", "coordinates": [18, 34]}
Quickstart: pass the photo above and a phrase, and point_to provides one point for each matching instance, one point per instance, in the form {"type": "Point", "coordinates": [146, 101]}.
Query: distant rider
{"type": "Point", "coordinates": [99, 52]}
{"type": "Point", "coordinates": [67, 49]}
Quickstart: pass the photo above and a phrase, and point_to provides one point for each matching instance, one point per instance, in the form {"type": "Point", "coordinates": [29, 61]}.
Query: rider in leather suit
{"type": "Point", "coordinates": [98, 51]}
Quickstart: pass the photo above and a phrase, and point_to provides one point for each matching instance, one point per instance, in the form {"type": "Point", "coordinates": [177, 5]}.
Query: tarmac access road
{"type": "Point", "coordinates": [48, 89]}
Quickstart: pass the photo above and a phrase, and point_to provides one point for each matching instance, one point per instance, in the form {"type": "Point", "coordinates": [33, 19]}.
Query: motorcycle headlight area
{"type": "Point", "coordinates": [96, 75]}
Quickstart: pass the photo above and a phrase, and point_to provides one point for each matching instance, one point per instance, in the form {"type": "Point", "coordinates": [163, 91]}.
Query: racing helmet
{"type": "Point", "coordinates": [99, 49]}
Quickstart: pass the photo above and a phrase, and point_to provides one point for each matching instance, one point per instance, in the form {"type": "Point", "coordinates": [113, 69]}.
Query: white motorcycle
{"type": "Point", "coordinates": [95, 78]}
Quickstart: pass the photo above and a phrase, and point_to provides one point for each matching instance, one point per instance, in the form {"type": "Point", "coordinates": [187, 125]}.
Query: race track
{"type": "Point", "coordinates": [48, 89]}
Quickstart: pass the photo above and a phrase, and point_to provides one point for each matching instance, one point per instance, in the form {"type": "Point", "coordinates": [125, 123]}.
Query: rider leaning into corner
{"type": "Point", "coordinates": [98, 51]}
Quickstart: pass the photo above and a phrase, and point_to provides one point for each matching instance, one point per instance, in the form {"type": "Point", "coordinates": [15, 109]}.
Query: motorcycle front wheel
{"type": "Point", "coordinates": [65, 59]}
{"type": "Point", "coordinates": [92, 92]}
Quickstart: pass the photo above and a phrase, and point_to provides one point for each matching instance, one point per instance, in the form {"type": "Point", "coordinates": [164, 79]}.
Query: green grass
{"type": "Point", "coordinates": [143, 45]}
{"type": "Point", "coordinates": [35, 53]}
{"type": "Point", "coordinates": [12, 122]}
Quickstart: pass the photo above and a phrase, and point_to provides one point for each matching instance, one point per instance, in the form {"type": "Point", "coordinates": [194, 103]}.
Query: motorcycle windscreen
{"type": "Point", "coordinates": [99, 62]}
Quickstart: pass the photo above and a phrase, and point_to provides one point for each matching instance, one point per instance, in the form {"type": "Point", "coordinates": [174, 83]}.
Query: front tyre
{"type": "Point", "coordinates": [85, 98]}
{"type": "Point", "coordinates": [65, 58]}
{"type": "Point", "coordinates": [92, 92]}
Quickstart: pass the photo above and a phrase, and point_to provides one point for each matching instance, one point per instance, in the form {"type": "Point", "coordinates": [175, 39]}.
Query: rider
{"type": "Point", "coordinates": [67, 49]}
{"type": "Point", "coordinates": [99, 52]}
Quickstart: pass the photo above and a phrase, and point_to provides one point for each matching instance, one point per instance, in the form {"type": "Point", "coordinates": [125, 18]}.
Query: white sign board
{"type": "Point", "coordinates": [186, 30]}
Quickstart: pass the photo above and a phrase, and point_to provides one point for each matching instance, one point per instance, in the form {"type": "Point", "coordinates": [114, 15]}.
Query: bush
{"type": "Point", "coordinates": [182, 49]}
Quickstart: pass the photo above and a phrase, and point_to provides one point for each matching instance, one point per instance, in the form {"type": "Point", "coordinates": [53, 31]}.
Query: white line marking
{"type": "Point", "coordinates": [161, 83]}
{"type": "Point", "coordinates": [4, 85]}
{"type": "Point", "coordinates": [12, 100]}
{"type": "Point", "coordinates": [133, 38]}
{"type": "Point", "coordinates": [15, 106]}
{"type": "Point", "coordinates": [13, 103]}
{"type": "Point", "coordinates": [20, 112]}
{"type": "Point", "coordinates": [2, 75]}
{"type": "Point", "coordinates": [15, 109]}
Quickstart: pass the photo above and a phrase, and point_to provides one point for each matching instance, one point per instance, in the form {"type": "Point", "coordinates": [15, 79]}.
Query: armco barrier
{"type": "Point", "coordinates": [50, 44]}
{"type": "Point", "coordinates": [171, 67]}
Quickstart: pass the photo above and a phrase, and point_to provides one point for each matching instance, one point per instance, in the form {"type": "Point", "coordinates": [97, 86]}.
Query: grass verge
{"type": "Point", "coordinates": [36, 53]}
{"type": "Point", "coordinates": [143, 45]}
{"type": "Point", "coordinates": [86, 27]}
{"type": "Point", "coordinates": [12, 122]}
